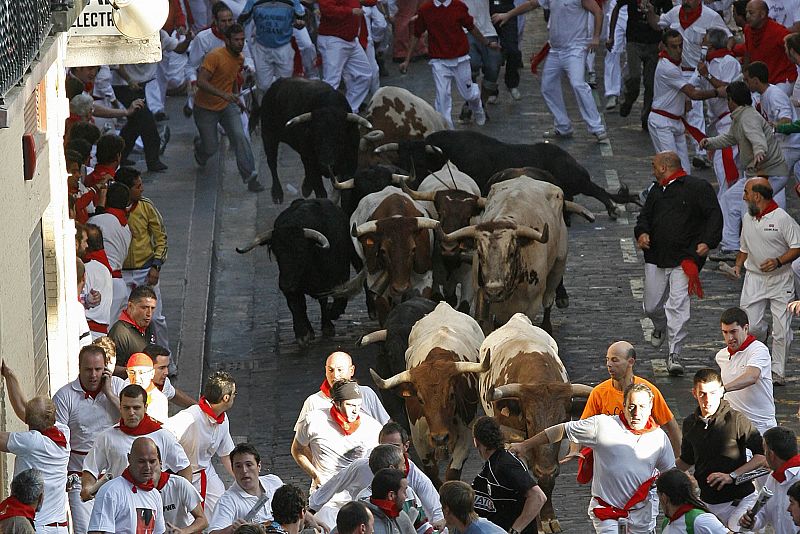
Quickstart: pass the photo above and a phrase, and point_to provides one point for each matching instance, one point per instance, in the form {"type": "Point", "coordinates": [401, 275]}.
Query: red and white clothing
{"type": "Point", "coordinates": [669, 133]}
{"type": "Point", "coordinates": [236, 503]}
{"type": "Point", "coordinates": [705, 523]}
{"type": "Point", "coordinates": [98, 278]}
{"type": "Point", "coordinates": [623, 462]}
{"type": "Point", "coordinates": [116, 240]}
{"type": "Point", "coordinates": [370, 405]}
{"type": "Point", "coordinates": [202, 437]}
{"type": "Point", "coordinates": [775, 233]}
{"type": "Point", "coordinates": [87, 414]}
{"type": "Point", "coordinates": [179, 498]}
{"type": "Point", "coordinates": [331, 449]}
{"type": "Point", "coordinates": [50, 455]}
{"type": "Point", "coordinates": [775, 511]}
{"type": "Point", "coordinates": [110, 452]}
{"type": "Point", "coordinates": [774, 106]}
{"type": "Point", "coordinates": [77, 310]}
{"type": "Point", "coordinates": [122, 508]}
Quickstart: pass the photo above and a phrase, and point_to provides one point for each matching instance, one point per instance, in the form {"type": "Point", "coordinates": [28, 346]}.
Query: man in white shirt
{"type": "Point", "coordinates": [130, 504]}
{"type": "Point", "coordinates": [629, 451]}
{"type": "Point", "coordinates": [45, 446]}
{"type": "Point", "coordinates": [786, 13]}
{"type": "Point", "coordinates": [770, 242]}
{"type": "Point", "coordinates": [203, 430]}
{"type": "Point", "coordinates": [183, 506]}
{"type": "Point", "coordinates": [88, 405]}
{"type": "Point", "coordinates": [160, 357]}
{"type": "Point", "coordinates": [780, 448]}
{"type": "Point", "coordinates": [108, 454]}
{"type": "Point", "coordinates": [745, 369]}
{"type": "Point", "coordinates": [99, 279]}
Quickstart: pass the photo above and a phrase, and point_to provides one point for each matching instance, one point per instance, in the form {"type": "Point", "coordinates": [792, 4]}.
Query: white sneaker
{"type": "Point", "coordinates": [479, 116]}
{"type": "Point", "coordinates": [612, 102]}
{"type": "Point", "coordinates": [602, 137]}
{"type": "Point", "coordinates": [555, 134]}
{"type": "Point", "coordinates": [492, 99]}
{"type": "Point", "coordinates": [674, 367]}
{"type": "Point", "coordinates": [591, 79]}
{"type": "Point", "coordinates": [657, 338]}
{"type": "Point", "coordinates": [515, 94]}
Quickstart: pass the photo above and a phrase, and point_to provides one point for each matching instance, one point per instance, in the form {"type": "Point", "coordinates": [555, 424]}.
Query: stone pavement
{"type": "Point", "coordinates": [208, 213]}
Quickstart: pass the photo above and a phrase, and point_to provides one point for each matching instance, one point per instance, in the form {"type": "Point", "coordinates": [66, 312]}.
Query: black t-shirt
{"type": "Point", "coordinates": [638, 30]}
{"type": "Point", "coordinates": [500, 489]}
{"type": "Point", "coordinates": [501, 6]}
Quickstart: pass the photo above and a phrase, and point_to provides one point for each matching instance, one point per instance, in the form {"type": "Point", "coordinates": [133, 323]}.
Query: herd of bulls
{"type": "Point", "coordinates": [479, 242]}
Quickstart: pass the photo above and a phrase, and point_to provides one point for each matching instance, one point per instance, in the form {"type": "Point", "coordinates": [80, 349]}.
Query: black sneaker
{"type": "Point", "coordinates": [466, 114]}
{"type": "Point", "coordinates": [156, 166]}
{"type": "Point", "coordinates": [187, 111]}
{"type": "Point", "coordinates": [625, 108]}
{"type": "Point", "coordinates": [197, 143]}
{"type": "Point", "coordinates": [254, 185]}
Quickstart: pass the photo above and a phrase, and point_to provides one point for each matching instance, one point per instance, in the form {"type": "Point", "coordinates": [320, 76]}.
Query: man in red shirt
{"type": "Point", "coordinates": [763, 41]}
{"type": "Point", "coordinates": [445, 22]}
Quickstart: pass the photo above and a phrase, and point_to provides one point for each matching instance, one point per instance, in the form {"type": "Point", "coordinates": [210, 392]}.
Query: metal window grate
{"type": "Point", "coordinates": [24, 24]}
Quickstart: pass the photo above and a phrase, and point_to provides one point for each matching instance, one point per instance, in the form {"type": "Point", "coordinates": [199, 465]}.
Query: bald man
{"type": "Point", "coordinates": [680, 222]}
{"type": "Point", "coordinates": [770, 242]}
{"type": "Point", "coordinates": [763, 38]}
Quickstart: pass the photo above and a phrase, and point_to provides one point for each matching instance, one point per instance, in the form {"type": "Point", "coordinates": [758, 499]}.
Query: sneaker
{"type": "Point", "coordinates": [612, 102]}
{"type": "Point", "coordinates": [657, 338]}
{"type": "Point", "coordinates": [700, 162]}
{"type": "Point", "coordinates": [187, 111]}
{"type": "Point", "coordinates": [555, 134]}
{"type": "Point", "coordinates": [156, 166]}
{"type": "Point", "coordinates": [674, 367]}
{"type": "Point", "coordinates": [197, 143]}
{"type": "Point", "coordinates": [515, 94]}
{"type": "Point", "coordinates": [466, 114]}
{"type": "Point", "coordinates": [480, 117]}
{"type": "Point", "coordinates": [625, 108]}
{"type": "Point", "coordinates": [164, 139]}
{"type": "Point", "coordinates": [254, 185]}
{"type": "Point", "coordinates": [591, 79]}
{"type": "Point", "coordinates": [492, 99]}
{"type": "Point", "coordinates": [602, 137]}
{"type": "Point", "coordinates": [778, 380]}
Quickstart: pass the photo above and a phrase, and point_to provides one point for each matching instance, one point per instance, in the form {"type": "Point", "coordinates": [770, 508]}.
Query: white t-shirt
{"type": "Point", "coordinates": [331, 450]}
{"type": "Point", "coordinates": [99, 278]}
{"type": "Point", "coordinates": [110, 452]}
{"type": "Point", "coordinates": [694, 34]}
{"type": "Point", "coordinates": [622, 459]}
{"type": "Point", "coordinates": [669, 81]}
{"type": "Point", "coordinates": [236, 503]}
{"type": "Point", "coordinates": [703, 524]}
{"type": "Point", "coordinates": [772, 236]}
{"type": "Point", "coordinates": [157, 405]}
{"type": "Point", "coordinates": [179, 498]}
{"type": "Point", "coordinates": [755, 402]}
{"type": "Point", "coordinates": [371, 405]}
{"type": "Point", "coordinates": [116, 238]}
{"type": "Point", "coordinates": [775, 105]}
{"type": "Point", "coordinates": [479, 10]}
{"type": "Point", "coordinates": [569, 23]}
{"type": "Point", "coordinates": [726, 69]}
{"type": "Point", "coordinates": [86, 417]}
{"type": "Point", "coordinates": [784, 12]}
{"type": "Point", "coordinates": [117, 508]}
{"type": "Point", "coordinates": [775, 512]}
{"type": "Point", "coordinates": [200, 436]}
{"type": "Point", "coordinates": [79, 312]}
{"type": "Point", "coordinates": [35, 450]}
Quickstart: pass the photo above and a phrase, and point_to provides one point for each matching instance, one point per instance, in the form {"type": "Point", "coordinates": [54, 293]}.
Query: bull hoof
{"type": "Point", "coordinates": [550, 526]}
{"type": "Point", "coordinates": [277, 194]}
{"type": "Point", "coordinates": [613, 213]}
{"type": "Point", "coordinates": [328, 330]}
{"type": "Point", "coordinates": [306, 189]}
{"type": "Point", "coordinates": [562, 302]}
{"type": "Point", "coordinates": [305, 341]}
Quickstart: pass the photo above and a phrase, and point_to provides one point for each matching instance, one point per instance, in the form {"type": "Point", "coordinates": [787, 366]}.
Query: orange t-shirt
{"type": "Point", "coordinates": [224, 68]}
{"type": "Point", "coordinates": [606, 399]}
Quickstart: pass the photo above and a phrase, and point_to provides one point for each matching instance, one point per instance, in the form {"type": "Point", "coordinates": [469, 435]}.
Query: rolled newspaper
{"type": "Point", "coordinates": [256, 507]}
{"type": "Point", "coordinates": [763, 496]}
{"type": "Point", "coordinates": [750, 475]}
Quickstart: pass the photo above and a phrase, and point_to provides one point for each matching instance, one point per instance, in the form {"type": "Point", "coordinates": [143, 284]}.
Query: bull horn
{"type": "Point", "coordinates": [432, 149]}
{"type": "Point", "coordinates": [468, 232]}
{"type": "Point", "coordinates": [503, 392]}
{"type": "Point", "coordinates": [425, 196]}
{"type": "Point", "coordinates": [388, 147]}
{"type": "Point", "coordinates": [574, 207]}
{"type": "Point", "coordinates": [368, 227]}
{"type": "Point", "coordinates": [400, 179]}
{"type": "Point", "coordinates": [475, 367]}
{"type": "Point", "coordinates": [426, 223]}
{"type": "Point", "coordinates": [536, 235]}
{"type": "Point", "coordinates": [580, 390]}
{"type": "Point", "coordinates": [374, 337]}
{"type": "Point", "coordinates": [374, 136]}
{"type": "Point", "coordinates": [389, 383]}
{"type": "Point", "coordinates": [347, 184]}
{"type": "Point", "coordinates": [303, 117]}
{"type": "Point", "coordinates": [481, 202]}
{"type": "Point", "coordinates": [358, 119]}
{"type": "Point", "coordinates": [319, 237]}
{"type": "Point", "coordinates": [263, 239]}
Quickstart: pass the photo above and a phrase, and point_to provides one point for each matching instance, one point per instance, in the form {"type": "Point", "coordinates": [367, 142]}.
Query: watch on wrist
{"type": "Point", "coordinates": [733, 476]}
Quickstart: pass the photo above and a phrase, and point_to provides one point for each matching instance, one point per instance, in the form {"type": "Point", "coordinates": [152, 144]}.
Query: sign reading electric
{"type": "Point", "coordinates": [95, 19]}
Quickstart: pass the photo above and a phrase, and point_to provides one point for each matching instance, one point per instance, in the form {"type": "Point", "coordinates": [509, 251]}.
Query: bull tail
{"type": "Point", "coordinates": [624, 196]}
{"type": "Point", "coordinates": [349, 289]}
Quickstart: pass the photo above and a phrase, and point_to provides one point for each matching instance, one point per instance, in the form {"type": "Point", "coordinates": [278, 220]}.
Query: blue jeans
{"type": "Point", "coordinates": [231, 120]}
{"type": "Point", "coordinates": [487, 59]}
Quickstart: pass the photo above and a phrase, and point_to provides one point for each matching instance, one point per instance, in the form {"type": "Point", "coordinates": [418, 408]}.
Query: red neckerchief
{"type": "Point", "coordinates": [87, 393]}
{"type": "Point", "coordinates": [148, 425]}
{"type": "Point", "coordinates": [13, 507]}
{"type": "Point", "coordinates": [341, 421]}
{"type": "Point", "coordinates": [672, 177]}
{"type": "Point", "coordinates": [98, 255]}
{"type": "Point", "coordinates": [144, 486]}
{"type": "Point", "coordinates": [124, 317]}
{"type": "Point", "coordinates": [218, 34]}
{"type": "Point", "coordinates": [687, 17]}
{"type": "Point", "coordinates": [162, 481]}
{"type": "Point", "coordinates": [649, 427]}
{"type": "Point", "coordinates": [680, 512]}
{"type": "Point", "coordinates": [160, 388]}
{"type": "Point", "coordinates": [771, 206]}
{"type": "Point", "coordinates": [746, 343]}
{"type": "Point", "coordinates": [121, 215]}
{"type": "Point", "coordinates": [88, 87]}
{"type": "Point", "coordinates": [663, 54]}
{"type": "Point", "coordinates": [780, 473]}
{"type": "Point", "coordinates": [325, 388]}
{"type": "Point", "coordinates": [56, 435]}
{"type": "Point", "coordinates": [408, 466]}
{"type": "Point", "coordinates": [718, 53]}
{"type": "Point", "coordinates": [387, 507]}
{"type": "Point", "coordinates": [206, 407]}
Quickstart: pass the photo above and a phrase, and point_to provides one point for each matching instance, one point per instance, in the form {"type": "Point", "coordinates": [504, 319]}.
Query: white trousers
{"type": "Point", "coordinates": [80, 511]}
{"type": "Point", "coordinates": [339, 57]}
{"type": "Point", "coordinates": [138, 277]}
{"type": "Point", "coordinates": [612, 73]}
{"type": "Point", "coordinates": [308, 52]}
{"type": "Point", "coordinates": [667, 303]}
{"type": "Point", "coordinates": [375, 77]}
{"type": "Point", "coordinates": [639, 520]}
{"type": "Point", "coordinates": [272, 63]}
{"type": "Point", "coordinates": [695, 117]}
{"type": "Point", "coordinates": [569, 62]}
{"type": "Point", "coordinates": [668, 134]}
{"type": "Point", "coordinates": [169, 73]}
{"type": "Point", "coordinates": [730, 514]}
{"type": "Point", "coordinates": [214, 489]}
{"type": "Point", "coordinates": [729, 196]}
{"type": "Point", "coordinates": [444, 76]}
{"type": "Point", "coordinates": [776, 290]}
{"type": "Point", "coordinates": [792, 156]}
{"type": "Point", "coordinates": [201, 12]}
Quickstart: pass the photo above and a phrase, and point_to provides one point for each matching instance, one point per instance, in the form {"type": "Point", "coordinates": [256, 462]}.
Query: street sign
{"type": "Point", "coordinates": [95, 19]}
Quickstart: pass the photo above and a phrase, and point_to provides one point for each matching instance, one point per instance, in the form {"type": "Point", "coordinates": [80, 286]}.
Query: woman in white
{"type": "Point", "coordinates": [683, 512]}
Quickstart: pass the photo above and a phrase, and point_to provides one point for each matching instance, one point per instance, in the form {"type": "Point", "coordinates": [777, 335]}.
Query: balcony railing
{"type": "Point", "coordinates": [24, 24]}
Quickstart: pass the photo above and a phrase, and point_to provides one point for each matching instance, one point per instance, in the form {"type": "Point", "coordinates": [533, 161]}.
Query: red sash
{"type": "Point", "coordinates": [696, 134]}
{"type": "Point", "coordinates": [539, 56]}
{"type": "Point", "coordinates": [100, 328]}
{"type": "Point", "coordinates": [608, 511]}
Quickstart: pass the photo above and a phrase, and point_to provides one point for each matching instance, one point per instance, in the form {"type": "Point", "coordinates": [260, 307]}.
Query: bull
{"type": "Point", "coordinates": [527, 389]}
{"type": "Point", "coordinates": [482, 156]}
{"type": "Point", "coordinates": [315, 120]}
{"type": "Point", "coordinates": [440, 387]}
{"type": "Point", "coordinates": [312, 246]}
